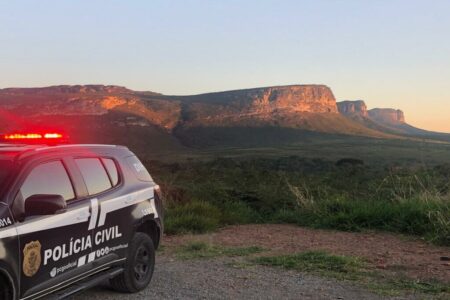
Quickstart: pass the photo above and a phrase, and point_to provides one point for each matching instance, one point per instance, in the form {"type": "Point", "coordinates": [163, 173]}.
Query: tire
{"type": "Point", "coordinates": [6, 291]}
{"type": "Point", "coordinates": [139, 266]}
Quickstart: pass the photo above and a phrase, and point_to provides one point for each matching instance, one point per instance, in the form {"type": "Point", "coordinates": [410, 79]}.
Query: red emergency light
{"type": "Point", "coordinates": [34, 137]}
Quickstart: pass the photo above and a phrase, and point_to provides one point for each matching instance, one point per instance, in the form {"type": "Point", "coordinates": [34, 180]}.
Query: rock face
{"type": "Point", "coordinates": [385, 120]}
{"type": "Point", "coordinates": [86, 100]}
{"type": "Point", "coordinates": [304, 107]}
{"type": "Point", "coordinates": [260, 105]}
{"type": "Point", "coordinates": [387, 116]}
{"type": "Point", "coordinates": [353, 108]}
{"type": "Point", "coordinates": [116, 114]}
{"type": "Point", "coordinates": [252, 106]}
{"type": "Point", "coordinates": [296, 98]}
{"type": "Point", "coordinates": [358, 108]}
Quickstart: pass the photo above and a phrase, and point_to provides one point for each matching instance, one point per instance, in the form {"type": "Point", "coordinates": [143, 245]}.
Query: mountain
{"type": "Point", "coordinates": [387, 120]}
{"type": "Point", "coordinates": [269, 115]}
{"type": "Point", "coordinates": [356, 108]}
{"type": "Point", "coordinates": [387, 116]}
{"type": "Point", "coordinates": [308, 107]}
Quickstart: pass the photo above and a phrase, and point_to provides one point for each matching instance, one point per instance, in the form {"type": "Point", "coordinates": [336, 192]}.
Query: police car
{"type": "Point", "coordinates": [73, 216]}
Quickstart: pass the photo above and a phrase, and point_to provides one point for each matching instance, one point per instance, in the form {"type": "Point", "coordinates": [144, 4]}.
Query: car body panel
{"type": "Point", "coordinates": [46, 253]}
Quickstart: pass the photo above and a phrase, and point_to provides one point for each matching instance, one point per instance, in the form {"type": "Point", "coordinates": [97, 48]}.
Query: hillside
{"type": "Point", "coordinates": [258, 117]}
{"type": "Point", "coordinates": [306, 107]}
{"type": "Point", "coordinates": [387, 120]}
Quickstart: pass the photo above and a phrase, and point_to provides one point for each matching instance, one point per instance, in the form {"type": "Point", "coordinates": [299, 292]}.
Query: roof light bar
{"type": "Point", "coordinates": [49, 138]}
{"type": "Point", "coordinates": [32, 136]}
{"type": "Point", "coordinates": [53, 136]}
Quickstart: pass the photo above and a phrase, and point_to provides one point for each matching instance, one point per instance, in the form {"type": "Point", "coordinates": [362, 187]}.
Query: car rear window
{"type": "Point", "coordinates": [139, 169]}
{"type": "Point", "coordinates": [111, 167]}
{"type": "Point", "coordinates": [94, 175]}
{"type": "Point", "coordinates": [49, 178]}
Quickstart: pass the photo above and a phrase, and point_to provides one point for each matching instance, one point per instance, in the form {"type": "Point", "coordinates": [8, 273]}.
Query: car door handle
{"type": "Point", "coordinates": [83, 216]}
{"type": "Point", "coordinates": [130, 199]}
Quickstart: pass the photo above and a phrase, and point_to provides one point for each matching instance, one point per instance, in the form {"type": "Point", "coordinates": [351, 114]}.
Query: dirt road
{"type": "Point", "coordinates": [230, 278]}
{"type": "Point", "coordinates": [217, 279]}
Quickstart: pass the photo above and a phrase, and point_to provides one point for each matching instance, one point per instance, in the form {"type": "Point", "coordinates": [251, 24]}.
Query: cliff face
{"type": "Point", "coordinates": [300, 98]}
{"type": "Point", "coordinates": [117, 113]}
{"type": "Point", "coordinates": [387, 120]}
{"type": "Point", "coordinates": [252, 107]}
{"type": "Point", "coordinates": [261, 105]}
{"type": "Point", "coordinates": [353, 108]}
{"type": "Point", "coordinates": [88, 100]}
{"type": "Point", "coordinates": [305, 107]}
{"type": "Point", "coordinates": [387, 116]}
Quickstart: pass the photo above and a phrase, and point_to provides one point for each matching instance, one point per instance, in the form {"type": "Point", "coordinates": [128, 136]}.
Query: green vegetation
{"type": "Point", "coordinates": [352, 269]}
{"type": "Point", "coordinates": [194, 217]}
{"type": "Point", "coordinates": [397, 286]}
{"type": "Point", "coordinates": [322, 263]}
{"type": "Point", "coordinates": [347, 195]}
{"type": "Point", "coordinates": [203, 250]}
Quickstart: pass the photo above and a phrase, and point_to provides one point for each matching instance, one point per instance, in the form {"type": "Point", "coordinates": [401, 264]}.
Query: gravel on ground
{"type": "Point", "coordinates": [229, 278]}
{"type": "Point", "coordinates": [387, 252]}
{"type": "Point", "coordinates": [219, 279]}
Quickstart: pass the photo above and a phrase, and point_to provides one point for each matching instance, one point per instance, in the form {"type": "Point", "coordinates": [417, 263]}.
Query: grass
{"type": "Point", "coordinates": [202, 216]}
{"type": "Point", "coordinates": [412, 217]}
{"type": "Point", "coordinates": [398, 286]}
{"type": "Point", "coordinates": [318, 262]}
{"type": "Point", "coordinates": [195, 250]}
{"type": "Point", "coordinates": [204, 196]}
{"type": "Point", "coordinates": [352, 269]}
{"type": "Point", "coordinates": [193, 217]}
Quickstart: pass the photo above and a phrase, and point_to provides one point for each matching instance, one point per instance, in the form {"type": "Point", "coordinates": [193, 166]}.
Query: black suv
{"type": "Point", "coordinates": [72, 216]}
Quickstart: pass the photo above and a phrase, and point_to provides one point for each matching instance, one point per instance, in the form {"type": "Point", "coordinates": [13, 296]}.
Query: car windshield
{"type": "Point", "coordinates": [5, 170]}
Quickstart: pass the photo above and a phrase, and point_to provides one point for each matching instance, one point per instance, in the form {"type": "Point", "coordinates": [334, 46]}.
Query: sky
{"type": "Point", "coordinates": [390, 53]}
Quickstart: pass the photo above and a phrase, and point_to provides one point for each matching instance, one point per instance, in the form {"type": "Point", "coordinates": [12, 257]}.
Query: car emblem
{"type": "Point", "coordinates": [31, 258]}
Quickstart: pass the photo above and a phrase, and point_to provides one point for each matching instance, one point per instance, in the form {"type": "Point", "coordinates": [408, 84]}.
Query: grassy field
{"type": "Point", "coordinates": [209, 143]}
{"type": "Point", "coordinates": [272, 175]}
{"type": "Point", "coordinates": [347, 194]}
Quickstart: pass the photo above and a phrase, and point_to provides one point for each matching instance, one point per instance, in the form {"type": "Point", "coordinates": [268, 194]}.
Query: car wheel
{"type": "Point", "coordinates": [139, 265]}
{"type": "Point", "coordinates": [6, 291]}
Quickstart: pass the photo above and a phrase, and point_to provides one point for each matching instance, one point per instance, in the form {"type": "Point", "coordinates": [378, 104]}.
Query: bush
{"type": "Point", "coordinates": [195, 217]}
{"type": "Point", "coordinates": [201, 216]}
{"type": "Point", "coordinates": [430, 219]}
{"type": "Point", "coordinates": [234, 212]}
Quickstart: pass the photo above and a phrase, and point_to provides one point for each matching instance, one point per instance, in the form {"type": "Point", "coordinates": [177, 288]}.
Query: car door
{"type": "Point", "coordinates": [54, 249]}
{"type": "Point", "coordinates": [111, 234]}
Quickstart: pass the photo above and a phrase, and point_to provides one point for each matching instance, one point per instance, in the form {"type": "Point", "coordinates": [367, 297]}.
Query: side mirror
{"type": "Point", "coordinates": [40, 205]}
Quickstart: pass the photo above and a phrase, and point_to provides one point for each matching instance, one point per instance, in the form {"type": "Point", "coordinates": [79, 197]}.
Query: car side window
{"type": "Point", "coordinates": [48, 178]}
{"type": "Point", "coordinates": [94, 175]}
{"type": "Point", "coordinates": [139, 169]}
{"type": "Point", "coordinates": [111, 167]}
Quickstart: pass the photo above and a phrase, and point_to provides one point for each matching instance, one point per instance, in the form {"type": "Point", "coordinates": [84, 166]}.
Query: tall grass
{"type": "Point", "coordinates": [200, 216]}
{"type": "Point", "coordinates": [203, 196]}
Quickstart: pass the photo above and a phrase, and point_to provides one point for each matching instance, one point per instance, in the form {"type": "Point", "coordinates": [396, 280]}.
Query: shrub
{"type": "Point", "coordinates": [234, 212]}
{"type": "Point", "coordinates": [195, 217]}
